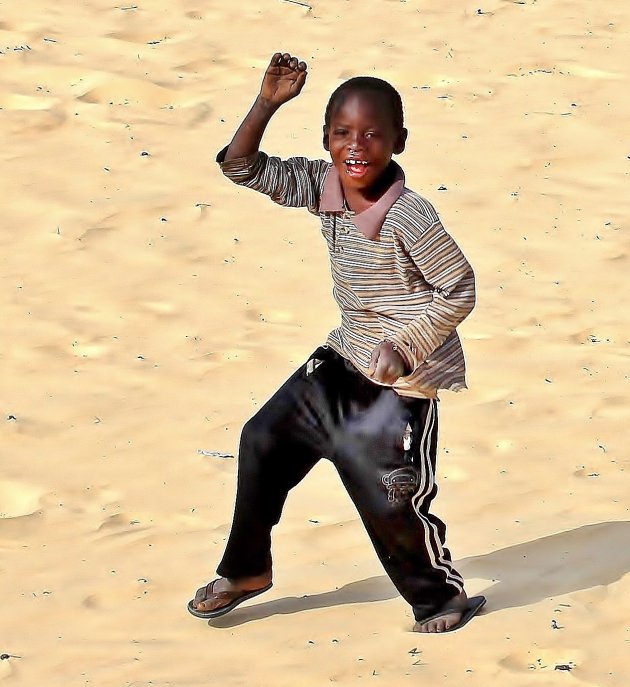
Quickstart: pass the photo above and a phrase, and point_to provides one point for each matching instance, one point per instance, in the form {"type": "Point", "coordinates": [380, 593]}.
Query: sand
{"type": "Point", "coordinates": [139, 289]}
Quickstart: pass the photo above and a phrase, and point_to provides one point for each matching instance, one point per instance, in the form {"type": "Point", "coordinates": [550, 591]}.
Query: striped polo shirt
{"type": "Point", "coordinates": [397, 274]}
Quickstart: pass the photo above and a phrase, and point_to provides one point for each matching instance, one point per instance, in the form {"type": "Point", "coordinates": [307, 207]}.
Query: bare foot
{"type": "Point", "coordinates": [201, 602]}
{"type": "Point", "coordinates": [450, 614]}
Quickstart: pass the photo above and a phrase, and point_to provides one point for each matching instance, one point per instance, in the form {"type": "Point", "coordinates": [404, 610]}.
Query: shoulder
{"type": "Point", "coordinates": [411, 215]}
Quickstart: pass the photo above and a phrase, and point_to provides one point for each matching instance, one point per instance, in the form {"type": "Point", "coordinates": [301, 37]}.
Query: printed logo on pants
{"type": "Point", "coordinates": [401, 483]}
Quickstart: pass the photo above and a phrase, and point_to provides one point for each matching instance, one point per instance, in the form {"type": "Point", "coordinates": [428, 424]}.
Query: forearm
{"type": "Point", "coordinates": [295, 182]}
{"type": "Point", "coordinates": [425, 333]}
{"type": "Point", "coordinates": [246, 140]}
{"type": "Point", "coordinates": [283, 80]}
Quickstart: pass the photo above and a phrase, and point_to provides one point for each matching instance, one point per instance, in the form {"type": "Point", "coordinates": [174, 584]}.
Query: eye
{"type": "Point", "coordinates": [371, 134]}
{"type": "Point", "coordinates": [340, 132]}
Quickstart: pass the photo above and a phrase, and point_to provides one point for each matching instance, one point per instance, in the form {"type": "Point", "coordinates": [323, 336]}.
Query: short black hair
{"type": "Point", "coordinates": [369, 84]}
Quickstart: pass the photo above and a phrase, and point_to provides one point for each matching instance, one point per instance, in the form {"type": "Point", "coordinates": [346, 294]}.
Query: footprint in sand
{"type": "Point", "coordinates": [613, 407]}
{"type": "Point", "coordinates": [543, 660]}
{"type": "Point", "coordinates": [161, 308]}
{"type": "Point", "coordinates": [5, 669]}
{"type": "Point", "coordinates": [196, 66]}
{"type": "Point", "coordinates": [119, 524]}
{"type": "Point", "coordinates": [105, 90]}
{"type": "Point", "coordinates": [142, 36]}
{"type": "Point", "coordinates": [592, 72]}
{"type": "Point", "coordinates": [455, 474]}
{"type": "Point", "coordinates": [18, 499]}
{"type": "Point", "coordinates": [24, 113]}
{"type": "Point", "coordinates": [234, 354]}
{"type": "Point", "coordinates": [16, 101]}
{"type": "Point", "coordinates": [89, 350]}
{"type": "Point", "coordinates": [118, 593]}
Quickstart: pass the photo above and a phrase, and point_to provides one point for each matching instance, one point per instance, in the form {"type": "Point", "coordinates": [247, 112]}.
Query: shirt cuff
{"type": "Point", "coordinates": [408, 352]}
{"type": "Point", "coordinates": [239, 168]}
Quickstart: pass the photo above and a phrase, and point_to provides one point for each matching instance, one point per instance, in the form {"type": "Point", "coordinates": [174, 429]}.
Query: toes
{"type": "Point", "coordinates": [200, 595]}
{"type": "Point", "coordinates": [201, 601]}
{"type": "Point", "coordinates": [441, 625]}
{"type": "Point", "coordinates": [208, 605]}
{"type": "Point", "coordinates": [452, 620]}
{"type": "Point", "coordinates": [438, 625]}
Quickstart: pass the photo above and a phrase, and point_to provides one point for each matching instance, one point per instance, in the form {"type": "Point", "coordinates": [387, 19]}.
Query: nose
{"type": "Point", "coordinates": [356, 140]}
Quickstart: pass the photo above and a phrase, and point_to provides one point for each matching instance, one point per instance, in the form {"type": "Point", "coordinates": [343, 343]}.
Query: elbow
{"type": "Point", "coordinates": [464, 296]}
{"type": "Point", "coordinates": [469, 295]}
{"type": "Point", "coordinates": [470, 303]}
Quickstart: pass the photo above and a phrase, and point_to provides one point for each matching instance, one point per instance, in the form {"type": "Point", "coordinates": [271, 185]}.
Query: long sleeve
{"type": "Point", "coordinates": [295, 182]}
{"type": "Point", "coordinates": [448, 272]}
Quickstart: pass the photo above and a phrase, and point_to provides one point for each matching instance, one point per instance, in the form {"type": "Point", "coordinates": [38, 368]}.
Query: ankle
{"type": "Point", "coordinates": [251, 580]}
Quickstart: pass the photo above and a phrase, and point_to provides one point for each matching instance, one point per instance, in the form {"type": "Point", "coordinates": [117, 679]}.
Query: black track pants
{"type": "Point", "coordinates": [383, 447]}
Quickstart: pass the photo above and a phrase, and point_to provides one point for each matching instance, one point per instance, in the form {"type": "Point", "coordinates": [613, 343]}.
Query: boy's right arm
{"type": "Point", "coordinates": [295, 182]}
{"type": "Point", "coordinates": [283, 80]}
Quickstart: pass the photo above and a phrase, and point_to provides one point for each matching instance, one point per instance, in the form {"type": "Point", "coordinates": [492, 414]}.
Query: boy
{"type": "Point", "coordinates": [367, 400]}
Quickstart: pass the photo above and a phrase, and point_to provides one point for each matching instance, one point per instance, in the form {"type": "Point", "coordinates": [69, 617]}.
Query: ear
{"type": "Point", "coordinates": [401, 139]}
{"type": "Point", "coordinates": [325, 140]}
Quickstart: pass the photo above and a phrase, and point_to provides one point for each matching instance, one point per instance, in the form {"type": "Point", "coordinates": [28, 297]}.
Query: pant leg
{"type": "Point", "coordinates": [391, 479]}
{"type": "Point", "coordinates": [278, 447]}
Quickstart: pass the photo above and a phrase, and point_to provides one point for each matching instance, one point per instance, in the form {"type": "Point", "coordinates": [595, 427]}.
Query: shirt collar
{"type": "Point", "coordinates": [370, 221]}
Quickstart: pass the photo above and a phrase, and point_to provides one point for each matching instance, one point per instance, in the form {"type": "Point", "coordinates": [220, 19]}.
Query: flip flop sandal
{"type": "Point", "coordinates": [475, 604]}
{"type": "Point", "coordinates": [233, 599]}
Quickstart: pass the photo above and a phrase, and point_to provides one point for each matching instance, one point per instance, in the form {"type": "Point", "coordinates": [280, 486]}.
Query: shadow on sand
{"type": "Point", "coordinates": [589, 556]}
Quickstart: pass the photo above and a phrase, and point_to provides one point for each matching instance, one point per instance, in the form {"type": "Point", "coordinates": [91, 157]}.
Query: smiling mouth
{"type": "Point", "coordinates": [356, 168]}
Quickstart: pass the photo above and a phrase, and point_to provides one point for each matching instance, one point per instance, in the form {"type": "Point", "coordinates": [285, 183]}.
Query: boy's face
{"type": "Point", "coordinates": [362, 138]}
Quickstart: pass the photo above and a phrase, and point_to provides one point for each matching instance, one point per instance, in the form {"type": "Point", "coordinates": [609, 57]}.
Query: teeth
{"type": "Point", "coordinates": [355, 162]}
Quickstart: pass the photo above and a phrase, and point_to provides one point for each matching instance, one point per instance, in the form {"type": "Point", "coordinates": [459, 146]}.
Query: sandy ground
{"type": "Point", "coordinates": [139, 288]}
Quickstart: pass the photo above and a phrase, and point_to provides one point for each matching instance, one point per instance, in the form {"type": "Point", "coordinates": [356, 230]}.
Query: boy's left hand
{"type": "Point", "coordinates": [386, 364]}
